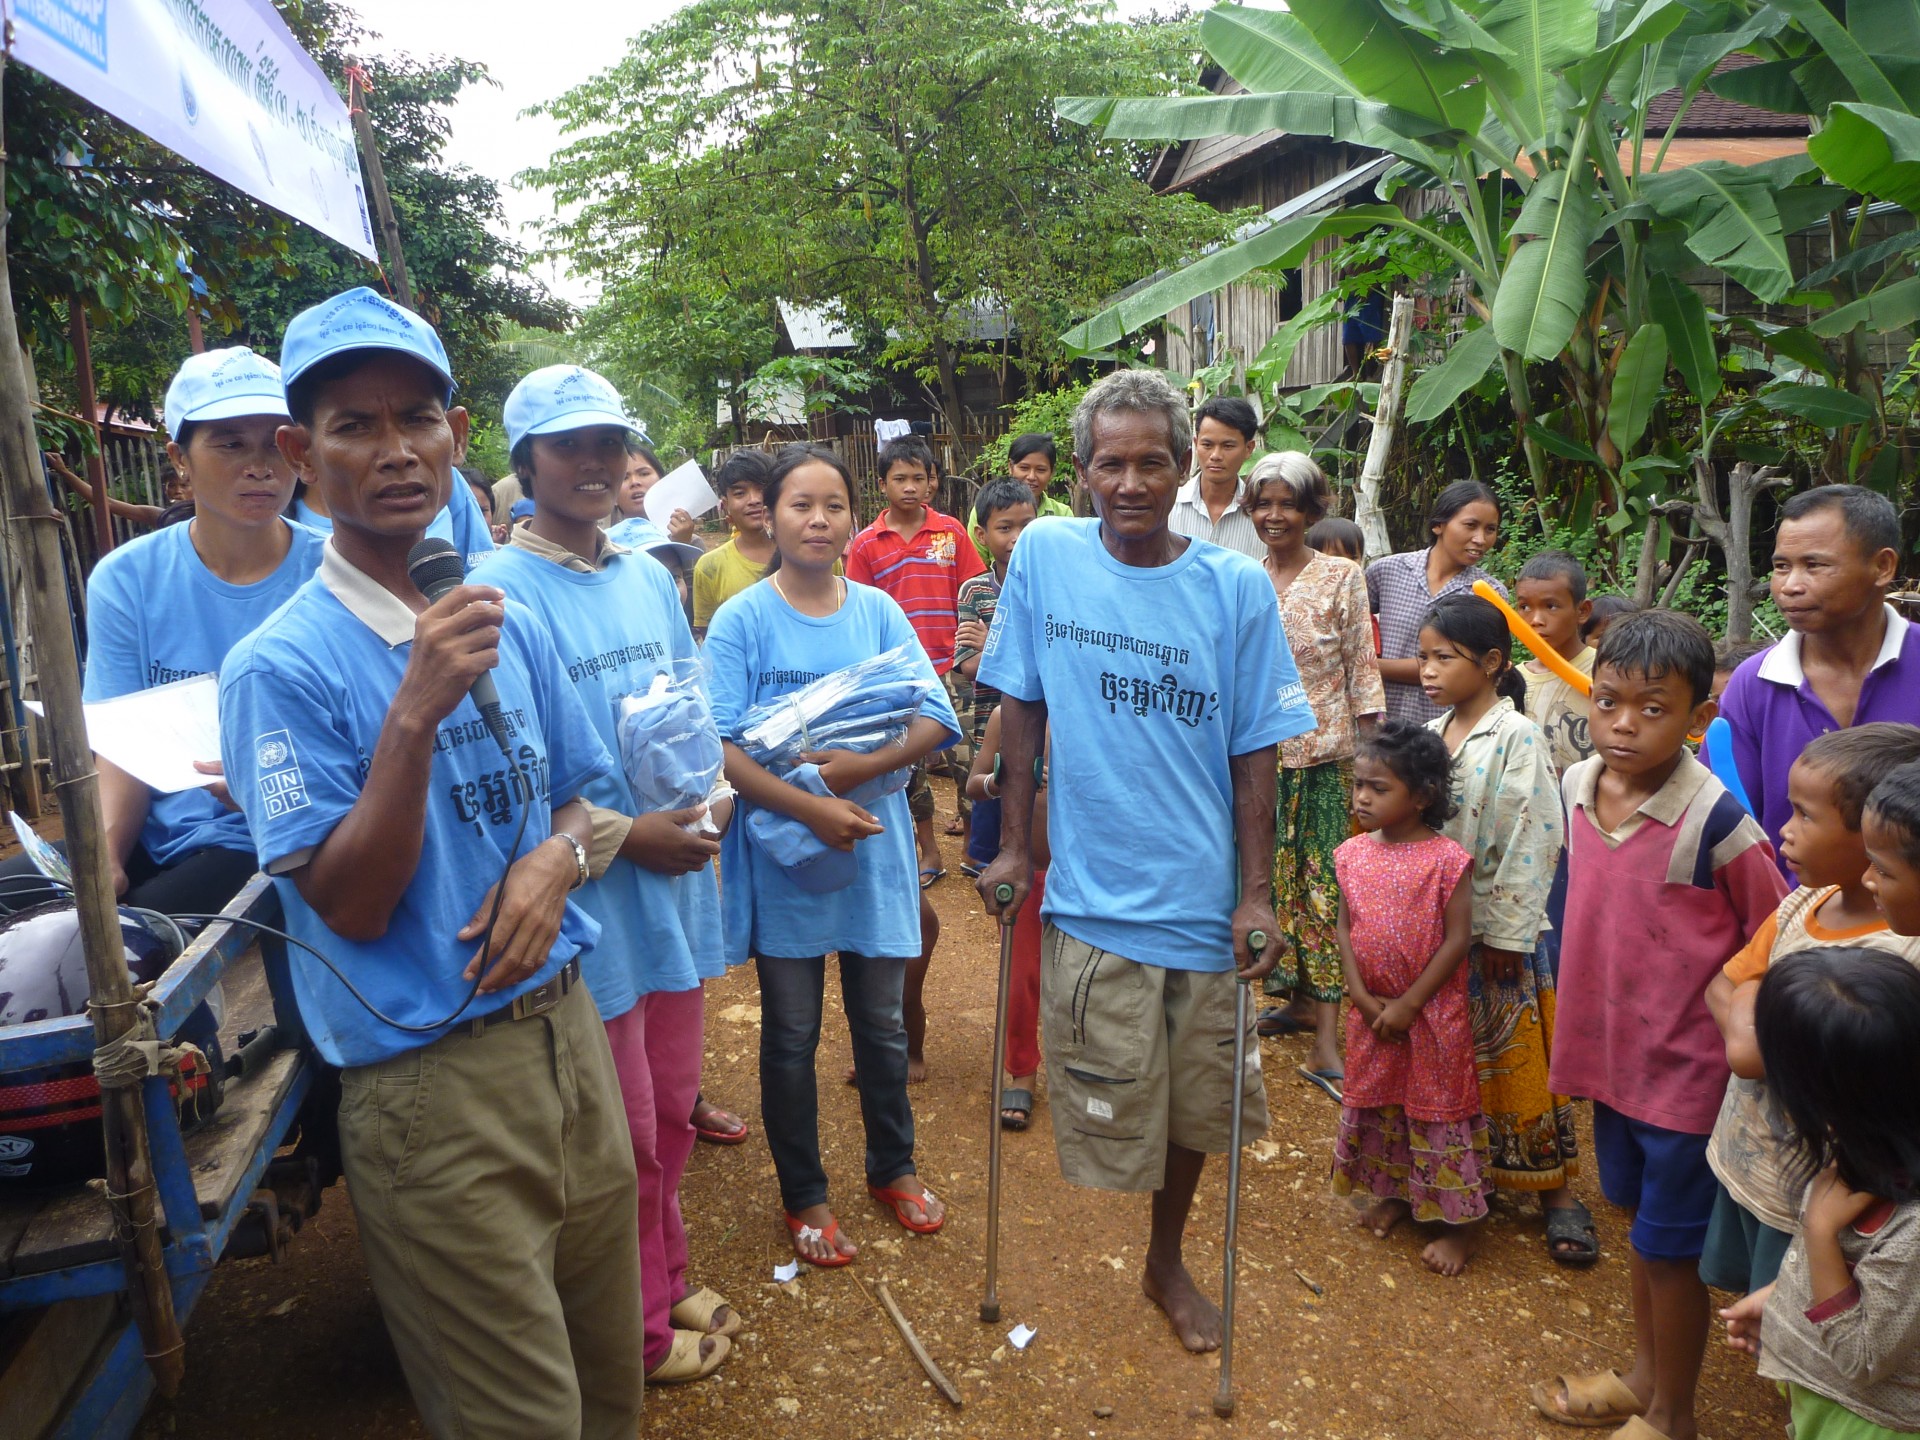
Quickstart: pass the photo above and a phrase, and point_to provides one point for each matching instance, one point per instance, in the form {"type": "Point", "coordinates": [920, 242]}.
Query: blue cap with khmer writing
{"type": "Point", "coordinates": [360, 320]}
{"type": "Point", "coordinates": [222, 385]}
{"type": "Point", "coordinates": [563, 397]}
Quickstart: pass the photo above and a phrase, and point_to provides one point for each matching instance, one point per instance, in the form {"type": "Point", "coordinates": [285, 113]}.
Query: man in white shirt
{"type": "Point", "coordinates": [1208, 505]}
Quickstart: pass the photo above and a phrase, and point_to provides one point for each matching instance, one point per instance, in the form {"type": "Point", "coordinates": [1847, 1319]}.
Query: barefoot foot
{"type": "Point", "coordinates": [1382, 1216]}
{"type": "Point", "coordinates": [916, 1069]}
{"type": "Point", "coordinates": [1451, 1249]}
{"type": "Point", "coordinates": [1195, 1319]}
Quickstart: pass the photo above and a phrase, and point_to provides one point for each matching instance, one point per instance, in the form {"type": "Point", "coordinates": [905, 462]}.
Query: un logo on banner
{"type": "Point", "coordinates": [189, 102]}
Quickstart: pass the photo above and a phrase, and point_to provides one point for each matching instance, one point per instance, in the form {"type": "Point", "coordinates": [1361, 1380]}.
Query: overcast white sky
{"type": "Point", "coordinates": [534, 54]}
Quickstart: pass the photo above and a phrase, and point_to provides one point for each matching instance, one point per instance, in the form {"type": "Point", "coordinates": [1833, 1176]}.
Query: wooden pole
{"type": "Point", "coordinates": [130, 1188]}
{"type": "Point", "coordinates": [377, 188]}
{"type": "Point", "coordinates": [196, 335]}
{"type": "Point", "coordinates": [90, 414]}
{"type": "Point", "coordinates": [1386, 419]}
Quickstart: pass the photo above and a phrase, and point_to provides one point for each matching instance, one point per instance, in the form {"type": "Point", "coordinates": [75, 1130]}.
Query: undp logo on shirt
{"type": "Point", "coordinates": [274, 751]}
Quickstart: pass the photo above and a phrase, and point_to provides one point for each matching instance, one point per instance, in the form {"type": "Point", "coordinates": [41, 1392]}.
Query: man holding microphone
{"type": "Point", "coordinates": [481, 1126]}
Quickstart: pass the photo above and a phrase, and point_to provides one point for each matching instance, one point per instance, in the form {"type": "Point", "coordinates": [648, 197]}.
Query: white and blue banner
{"type": "Point", "coordinates": [221, 82]}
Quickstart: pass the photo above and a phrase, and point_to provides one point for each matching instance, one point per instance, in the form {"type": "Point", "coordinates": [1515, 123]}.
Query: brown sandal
{"type": "Point", "coordinates": [1592, 1401]}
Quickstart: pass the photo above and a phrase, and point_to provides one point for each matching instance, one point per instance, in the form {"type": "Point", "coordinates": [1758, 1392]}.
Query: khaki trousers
{"type": "Point", "coordinates": [493, 1179]}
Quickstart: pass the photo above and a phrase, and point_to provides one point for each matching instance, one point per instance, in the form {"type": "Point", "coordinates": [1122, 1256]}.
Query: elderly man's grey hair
{"type": "Point", "coordinates": [1145, 392]}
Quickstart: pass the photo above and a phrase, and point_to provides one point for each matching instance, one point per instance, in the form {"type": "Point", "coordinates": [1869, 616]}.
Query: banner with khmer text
{"type": "Point", "coordinates": [223, 83]}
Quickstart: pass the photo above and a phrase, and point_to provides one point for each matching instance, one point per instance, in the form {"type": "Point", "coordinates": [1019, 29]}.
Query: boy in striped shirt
{"type": "Point", "coordinates": [921, 558]}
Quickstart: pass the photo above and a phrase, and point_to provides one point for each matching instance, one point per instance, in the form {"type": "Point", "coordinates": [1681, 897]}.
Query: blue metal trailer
{"type": "Point", "coordinates": [71, 1359]}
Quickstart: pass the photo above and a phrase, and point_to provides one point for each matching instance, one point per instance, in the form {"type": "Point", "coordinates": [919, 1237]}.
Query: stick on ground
{"type": "Point", "coordinates": [941, 1383]}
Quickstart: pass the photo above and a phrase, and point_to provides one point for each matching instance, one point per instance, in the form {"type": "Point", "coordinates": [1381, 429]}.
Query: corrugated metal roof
{"type": "Point", "coordinates": [1710, 115]}
{"type": "Point", "coordinates": [1321, 197]}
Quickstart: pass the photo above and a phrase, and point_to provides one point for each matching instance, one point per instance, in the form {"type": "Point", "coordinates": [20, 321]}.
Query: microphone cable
{"type": "Point", "coordinates": [22, 883]}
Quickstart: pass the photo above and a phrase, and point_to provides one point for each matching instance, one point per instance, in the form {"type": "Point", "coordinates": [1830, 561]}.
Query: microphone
{"type": "Point", "coordinates": [435, 567]}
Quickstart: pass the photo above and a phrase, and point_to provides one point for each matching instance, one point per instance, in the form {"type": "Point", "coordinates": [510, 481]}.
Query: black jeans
{"type": "Point", "coordinates": [198, 884]}
{"type": "Point", "coordinates": [792, 996]}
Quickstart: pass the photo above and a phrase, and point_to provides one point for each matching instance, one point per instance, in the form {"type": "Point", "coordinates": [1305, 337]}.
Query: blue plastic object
{"type": "Point", "coordinates": [669, 745]}
{"type": "Point", "coordinates": [860, 708]}
{"type": "Point", "coordinates": [1719, 749]}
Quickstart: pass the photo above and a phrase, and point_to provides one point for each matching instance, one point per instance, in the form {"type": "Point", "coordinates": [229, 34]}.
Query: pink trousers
{"type": "Point", "coordinates": [656, 1053]}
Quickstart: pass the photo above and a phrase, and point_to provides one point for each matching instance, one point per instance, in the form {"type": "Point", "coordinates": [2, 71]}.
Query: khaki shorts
{"type": "Point", "coordinates": [1117, 1033]}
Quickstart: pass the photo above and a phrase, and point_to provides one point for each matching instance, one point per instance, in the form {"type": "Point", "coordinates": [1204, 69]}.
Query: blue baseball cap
{"type": "Point", "coordinates": [223, 384]}
{"type": "Point", "coordinates": [688, 555]}
{"type": "Point", "coordinates": [563, 397]}
{"type": "Point", "coordinates": [359, 319]}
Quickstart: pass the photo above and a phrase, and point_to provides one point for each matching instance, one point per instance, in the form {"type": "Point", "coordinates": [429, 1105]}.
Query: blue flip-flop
{"type": "Point", "coordinates": [931, 874]}
{"type": "Point", "coordinates": [1328, 1080]}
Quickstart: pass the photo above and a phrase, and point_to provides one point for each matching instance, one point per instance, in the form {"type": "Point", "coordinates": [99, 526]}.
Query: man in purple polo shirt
{"type": "Point", "coordinates": [1850, 659]}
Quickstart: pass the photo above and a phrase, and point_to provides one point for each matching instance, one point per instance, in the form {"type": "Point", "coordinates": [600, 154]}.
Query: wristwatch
{"type": "Point", "coordinates": [579, 859]}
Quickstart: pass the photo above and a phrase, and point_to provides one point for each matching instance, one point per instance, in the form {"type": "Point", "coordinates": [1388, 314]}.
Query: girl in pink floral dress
{"type": "Point", "coordinates": [1412, 1139]}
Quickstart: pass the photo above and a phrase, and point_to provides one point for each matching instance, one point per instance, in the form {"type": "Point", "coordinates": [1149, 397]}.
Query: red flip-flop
{"type": "Point", "coordinates": [899, 1200]}
{"type": "Point", "coordinates": [714, 1135]}
{"type": "Point", "coordinates": [829, 1234]}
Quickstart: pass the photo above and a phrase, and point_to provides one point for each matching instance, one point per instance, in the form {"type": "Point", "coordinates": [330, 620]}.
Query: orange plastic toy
{"type": "Point", "coordinates": [1529, 637]}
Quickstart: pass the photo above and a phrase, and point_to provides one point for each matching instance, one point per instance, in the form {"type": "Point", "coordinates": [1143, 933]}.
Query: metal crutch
{"type": "Point", "coordinates": [1223, 1397]}
{"type": "Point", "coordinates": [990, 1306]}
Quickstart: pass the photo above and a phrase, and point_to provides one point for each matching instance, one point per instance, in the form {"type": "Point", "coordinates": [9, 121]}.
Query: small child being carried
{"type": "Point", "coordinates": [1412, 1138]}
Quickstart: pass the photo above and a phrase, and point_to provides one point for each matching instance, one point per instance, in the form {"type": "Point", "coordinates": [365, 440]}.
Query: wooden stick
{"type": "Point", "coordinates": [941, 1382]}
{"type": "Point", "coordinates": [1386, 418]}
{"type": "Point", "coordinates": [377, 189]}
{"type": "Point", "coordinates": [129, 1163]}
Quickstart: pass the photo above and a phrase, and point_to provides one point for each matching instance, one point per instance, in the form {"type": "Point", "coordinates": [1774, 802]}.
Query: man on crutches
{"type": "Point", "coordinates": [1161, 667]}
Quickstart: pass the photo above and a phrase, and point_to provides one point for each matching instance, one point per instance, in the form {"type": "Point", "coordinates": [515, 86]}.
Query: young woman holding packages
{"type": "Point", "coordinates": [799, 623]}
{"type": "Point", "coordinates": [617, 624]}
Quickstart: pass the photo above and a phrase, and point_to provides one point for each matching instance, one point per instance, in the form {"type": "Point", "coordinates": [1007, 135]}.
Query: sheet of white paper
{"type": "Point", "coordinates": [156, 735]}
{"type": "Point", "coordinates": [682, 488]}
{"type": "Point", "coordinates": [1022, 1336]}
{"type": "Point", "coordinates": [786, 1272]}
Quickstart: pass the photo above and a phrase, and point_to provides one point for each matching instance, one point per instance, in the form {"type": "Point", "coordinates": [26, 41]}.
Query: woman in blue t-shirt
{"type": "Point", "coordinates": [800, 622]}
{"type": "Point", "coordinates": [168, 606]}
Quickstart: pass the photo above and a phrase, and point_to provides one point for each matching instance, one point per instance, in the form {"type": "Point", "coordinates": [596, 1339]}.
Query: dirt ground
{"type": "Point", "coordinates": [1387, 1352]}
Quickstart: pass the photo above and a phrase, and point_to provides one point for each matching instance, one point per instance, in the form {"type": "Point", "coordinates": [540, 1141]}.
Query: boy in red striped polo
{"type": "Point", "coordinates": [913, 552]}
{"type": "Point", "coordinates": [921, 558]}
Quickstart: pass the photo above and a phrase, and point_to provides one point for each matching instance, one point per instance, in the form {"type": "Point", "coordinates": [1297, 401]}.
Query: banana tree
{"type": "Point", "coordinates": [1854, 70]}
{"type": "Point", "coordinates": [1532, 117]}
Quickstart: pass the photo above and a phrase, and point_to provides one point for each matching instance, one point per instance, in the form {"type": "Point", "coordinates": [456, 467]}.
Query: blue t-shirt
{"type": "Point", "coordinates": [460, 523]}
{"type": "Point", "coordinates": [157, 614]}
{"type": "Point", "coordinates": [759, 647]}
{"type": "Point", "coordinates": [302, 703]}
{"type": "Point", "coordinates": [616, 629]}
{"type": "Point", "coordinates": [1153, 679]}
{"type": "Point", "coordinates": [697, 896]}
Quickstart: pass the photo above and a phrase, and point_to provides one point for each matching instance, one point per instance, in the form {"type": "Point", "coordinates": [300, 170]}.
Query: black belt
{"type": "Point", "coordinates": [536, 1001]}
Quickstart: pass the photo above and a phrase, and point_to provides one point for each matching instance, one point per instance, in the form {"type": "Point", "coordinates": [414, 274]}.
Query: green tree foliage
{"type": "Point", "coordinates": [899, 163]}
{"type": "Point", "coordinates": [1552, 103]}
{"type": "Point", "coordinates": [100, 211]}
